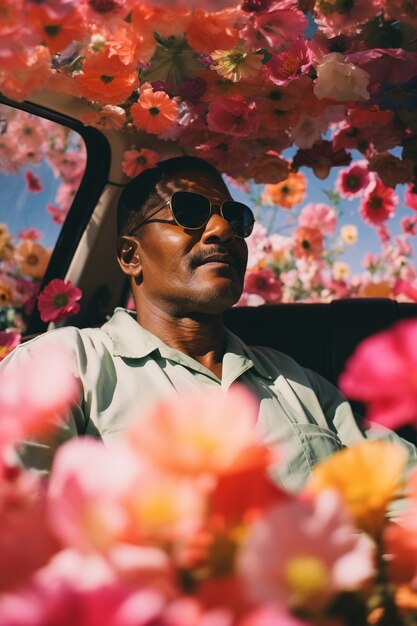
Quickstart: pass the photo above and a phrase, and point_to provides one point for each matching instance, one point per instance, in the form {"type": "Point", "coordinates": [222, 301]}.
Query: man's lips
{"type": "Point", "coordinates": [225, 259]}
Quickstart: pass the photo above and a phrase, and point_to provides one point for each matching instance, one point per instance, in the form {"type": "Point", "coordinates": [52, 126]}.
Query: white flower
{"type": "Point", "coordinates": [340, 80]}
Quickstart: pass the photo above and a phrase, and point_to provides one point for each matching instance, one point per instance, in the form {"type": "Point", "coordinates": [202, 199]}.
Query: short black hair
{"type": "Point", "coordinates": [141, 192]}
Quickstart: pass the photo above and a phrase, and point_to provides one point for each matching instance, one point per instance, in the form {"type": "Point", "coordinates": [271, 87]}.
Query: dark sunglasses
{"type": "Point", "coordinates": [193, 210]}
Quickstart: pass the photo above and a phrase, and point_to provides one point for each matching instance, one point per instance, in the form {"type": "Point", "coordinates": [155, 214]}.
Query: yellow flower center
{"type": "Point", "coordinates": [306, 575]}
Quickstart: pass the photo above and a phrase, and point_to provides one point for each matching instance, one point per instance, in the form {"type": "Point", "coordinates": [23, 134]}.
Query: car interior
{"type": "Point", "coordinates": [320, 336]}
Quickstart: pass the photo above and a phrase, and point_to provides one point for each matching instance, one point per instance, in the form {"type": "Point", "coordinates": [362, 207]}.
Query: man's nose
{"type": "Point", "coordinates": [217, 228]}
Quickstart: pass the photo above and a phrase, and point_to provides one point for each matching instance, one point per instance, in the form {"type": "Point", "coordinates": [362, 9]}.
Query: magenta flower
{"type": "Point", "coordinates": [410, 198]}
{"type": "Point", "coordinates": [58, 300]}
{"type": "Point", "coordinates": [354, 180]}
{"type": "Point", "coordinates": [383, 373]}
{"type": "Point", "coordinates": [378, 204]}
{"type": "Point", "coordinates": [279, 23]}
{"type": "Point", "coordinates": [8, 341]}
{"type": "Point", "coordinates": [290, 64]}
{"type": "Point", "coordinates": [263, 283]}
{"type": "Point", "coordinates": [233, 115]}
{"type": "Point", "coordinates": [33, 182]}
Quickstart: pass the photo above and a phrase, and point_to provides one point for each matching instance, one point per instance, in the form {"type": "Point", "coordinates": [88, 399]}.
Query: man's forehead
{"type": "Point", "coordinates": [205, 182]}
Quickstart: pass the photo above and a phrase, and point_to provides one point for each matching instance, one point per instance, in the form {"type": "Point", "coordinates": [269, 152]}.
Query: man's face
{"type": "Point", "coordinates": [190, 271]}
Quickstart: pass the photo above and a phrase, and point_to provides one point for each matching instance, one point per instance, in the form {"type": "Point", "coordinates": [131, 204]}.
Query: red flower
{"type": "Point", "coordinates": [265, 284]}
{"type": "Point", "coordinates": [137, 161]}
{"type": "Point", "coordinates": [378, 204]}
{"type": "Point", "coordinates": [8, 341]}
{"type": "Point", "coordinates": [58, 300]}
{"type": "Point", "coordinates": [233, 115]}
{"type": "Point", "coordinates": [33, 182]}
{"type": "Point", "coordinates": [308, 242]}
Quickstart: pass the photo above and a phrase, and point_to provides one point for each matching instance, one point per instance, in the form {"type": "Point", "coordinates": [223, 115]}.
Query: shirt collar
{"type": "Point", "coordinates": [131, 341]}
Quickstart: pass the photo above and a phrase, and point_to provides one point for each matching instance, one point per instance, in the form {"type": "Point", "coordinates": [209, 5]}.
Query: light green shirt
{"type": "Point", "coordinates": [123, 369]}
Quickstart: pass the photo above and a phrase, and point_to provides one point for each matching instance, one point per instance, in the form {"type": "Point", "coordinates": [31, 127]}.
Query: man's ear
{"type": "Point", "coordinates": [128, 256]}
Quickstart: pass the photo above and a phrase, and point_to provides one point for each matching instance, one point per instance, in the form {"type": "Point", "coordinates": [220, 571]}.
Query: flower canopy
{"type": "Point", "coordinates": [223, 78]}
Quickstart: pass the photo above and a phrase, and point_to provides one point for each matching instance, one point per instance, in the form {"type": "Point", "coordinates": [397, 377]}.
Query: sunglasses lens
{"type": "Point", "coordinates": [191, 210]}
{"type": "Point", "coordinates": [240, 217]}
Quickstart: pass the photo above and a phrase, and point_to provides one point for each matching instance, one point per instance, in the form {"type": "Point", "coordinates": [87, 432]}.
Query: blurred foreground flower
{"type": "Point", "coordinates": [383, 373]}
{"type": "Point", "coordinates": [8, 341]}
{"type": "Point", "coordinates": [367, 476]}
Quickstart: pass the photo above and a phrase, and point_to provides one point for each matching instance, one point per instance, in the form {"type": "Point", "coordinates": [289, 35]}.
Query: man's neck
{"type": "Point", "coordinates": [200, 336]}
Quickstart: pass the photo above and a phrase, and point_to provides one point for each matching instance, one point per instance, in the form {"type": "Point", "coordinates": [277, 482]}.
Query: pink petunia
{"type": "Point", "coordinates": [277, 24]}
{"type": "Point", "coordinates": [58, 300]}
{"type": "Point", "coordinates": [233, 115]}
{"type": "Point", "coordinates": [304, 552]}
{"type": "Point", "coordinates": [263, 283]}
{"type": "Point", "coordinates": [8, 342]}
{"type": "Point", "coordinates": [354, 180]}
{"type": "Point", "coordinates": [382, 373]}
{"type": "Point", "coordinates": [33, 182]}
{"type": "Point", "coordinates": [378, 204]}
{"type": "Point", "coordinates": [319, 216]}
{"type": "Point", "coordinates": [137, 161]}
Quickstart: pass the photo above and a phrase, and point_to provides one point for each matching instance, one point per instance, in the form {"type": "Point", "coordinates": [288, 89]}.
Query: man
{"type": "Point", "coordinates": [182, 244]}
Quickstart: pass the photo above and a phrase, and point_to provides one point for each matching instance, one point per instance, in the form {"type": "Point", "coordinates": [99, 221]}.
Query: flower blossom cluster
{"type": "Point", "coordinates": [178, 523]}
{"type": "Point", "coordinates": [223, 78]}
{"type": "Point", "coordinates": [25, 142]}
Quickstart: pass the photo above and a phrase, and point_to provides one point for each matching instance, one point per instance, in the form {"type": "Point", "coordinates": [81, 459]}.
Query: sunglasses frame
{"type": "Point", "coordinates": [220, 206]}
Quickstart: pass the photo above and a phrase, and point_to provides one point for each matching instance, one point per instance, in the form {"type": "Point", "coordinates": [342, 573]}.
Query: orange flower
{"type": "Point", "coordinates": [137, 161]}
{"type": "Point", "coordinates": [207, 32]}
{"type": "Point", "coordinates": [218, 86]}
{"type": "Point", "coordinates": [368, 476]}
{"type": "Point", "coordinates": [31, 258]}
{"type": "Point", "coordinates": [28, 75]}
{"type": "Point", "coordinates": [289, 192]}
{"type": "Point", "coordinates": [55, 33]}
{"type": "Point", "coordinates": [286, 97]}
{"type": "Point", "coordinates": [162, 20]}
{"type": "Point", "coordinates": [155, 112]}
{"type": "Point", "coordinates": [132, 45]}
{"type": "Point", "coordinates": [110, 117]}
{"type": "Point", "coordinates": [274, 119]}
{"type": "Point", "coordinates": [106, 79]}
{"type": "Point", "coordinates": [308, 242]}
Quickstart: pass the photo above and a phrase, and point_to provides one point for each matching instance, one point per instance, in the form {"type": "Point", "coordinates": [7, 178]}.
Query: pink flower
{"type": "Point", "coordinates": [319, 216]}
{"type": "Point", "coordinates": [271, 616]}
{"type": "Point", "coordinates": [233, 115]}
{"type": "Point", "coordinates": [34, 392]}
{"type": "Point", "coordinates": [302, 553]}
{"type": "Point", "coordinates": [340, 18]}
{"type": "Point", "coordinates": [58, 300]}
{"type": "Point", "coordinates": [33, 182]}
{"type": "Point", "coordinates": [128, 501]}
{"type": "Point", "coordinates": [354, 180]}
{"type": "Point", "coordinates": [200, 433]}
{"type": "Point", "coordinates": [137, 161]}
{"type": "Point", "coordinates": [290, 64]}
{"type": "Point", "coordinates": [30, 233]}
{"type": "Point", "coordinates": [278, 24]}
{"type": "Point", "coordinates": [409, 225]}
{"type": "Point", "coordinates": [410, 198]}
{"type": "Point", "coordinates": [22, 512]}
{"type": "Point", "coordinates": [51, 599]}
{"type": "Point", "coordinates": [378, 204]}
{"type": "Point", "coordinates": [382, 373]}
{"type": "Point", "coordinates": [8, 341]}
{"type": "Point", "coordinates": [263, 282]}
{"type": "Point", "coordinates": [58, 215]}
